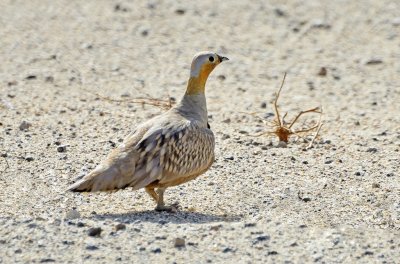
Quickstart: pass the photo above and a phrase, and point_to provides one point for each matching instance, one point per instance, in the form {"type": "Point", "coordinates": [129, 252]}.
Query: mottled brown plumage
{"type": "Point", "coordinates": [165, 151]}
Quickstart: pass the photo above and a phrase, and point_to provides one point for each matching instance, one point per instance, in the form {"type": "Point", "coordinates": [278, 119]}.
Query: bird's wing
{"type": "Point", "coordinates": [190, 152]}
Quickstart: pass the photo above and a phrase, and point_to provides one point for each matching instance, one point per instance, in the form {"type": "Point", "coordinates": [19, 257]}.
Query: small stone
{"type": "Point", "coordinates": [221, 77]}
{"type": "Point", "coordinates": [72, 214]}
{"type": "Point", "coordinates": [263, 238]}
{"type": "Point", "coordinates": [279, 12]}
{"type": "Point", "coordinates": [249, 224]}
{"type": "Point", "coordinates": [263, 105]}
{"type": "Point", "coordinates": [322, 71]}
{"type": "Point", "coordinates": [229, 158]}
{"type": "Point", "coordinates": [94, 231]}
{"type": "Point", "coordinates": [30, 77]}
{"type": "Point", "coordinates": [328, 161]}
{"type": "Point", "coordinates": [62, 148]}
{"type": "Point", "coordinates": [373, 61]}
{"type": "Point", "coordinates": [47, 260]}
{"type": "Point", "coordinates": [118, 7]}
{"type": "Point", "coordinates": [156, 250]}
{"type": "Point", "coordinates": [179, 242]}
{"type": "Point", "coordinates": [180, 11]}
{"type": "Point", "coordinates": [29, 158]}
{"type": "Point", "coordinates": [318, 23]}
{"type": "Point", "coordinates": [120, 226]}
{"type": "Point", "coordinates": [373, 150]}
{"type": "Point", "coordinates": [227, 250]}
{"type": "Point", "coordinates": [24, 126]}
{"type": "Point", "coordinates": [92, 247]}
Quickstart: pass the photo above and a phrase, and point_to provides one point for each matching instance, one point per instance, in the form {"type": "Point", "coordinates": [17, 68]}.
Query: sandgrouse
{"type": "Point", "coordinates": [170, 149]}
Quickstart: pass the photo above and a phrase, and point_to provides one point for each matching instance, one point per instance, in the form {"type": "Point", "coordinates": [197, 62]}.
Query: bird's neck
{"type": "Point", "coordinates": [193, 104]}
{"type": "Point", "coordinates": [196, 85]}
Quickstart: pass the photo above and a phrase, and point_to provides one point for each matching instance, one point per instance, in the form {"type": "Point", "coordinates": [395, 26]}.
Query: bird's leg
{"type": "Point", "coordinates": [152, 193]}
{"type": "Point", "coordinates": [160, 203]}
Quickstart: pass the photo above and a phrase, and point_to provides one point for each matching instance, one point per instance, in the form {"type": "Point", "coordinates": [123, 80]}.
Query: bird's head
{"type": "Point", "coordinates": [203, 64]}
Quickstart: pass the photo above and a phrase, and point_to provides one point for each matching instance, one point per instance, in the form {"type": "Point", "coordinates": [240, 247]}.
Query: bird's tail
{"type": "Point", "coordinates": [102, 178]}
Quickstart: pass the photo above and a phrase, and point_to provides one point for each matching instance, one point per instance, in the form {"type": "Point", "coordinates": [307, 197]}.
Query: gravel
{"type": "Point", "coordinates": [336, 202]}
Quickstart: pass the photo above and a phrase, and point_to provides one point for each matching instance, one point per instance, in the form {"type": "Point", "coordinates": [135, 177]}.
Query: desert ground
{"type": "Point", "coordinates": [71, 74]}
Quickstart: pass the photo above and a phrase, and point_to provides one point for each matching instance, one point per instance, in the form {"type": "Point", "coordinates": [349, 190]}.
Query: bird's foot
{"type": "Point", "coordinates": [164, 208]}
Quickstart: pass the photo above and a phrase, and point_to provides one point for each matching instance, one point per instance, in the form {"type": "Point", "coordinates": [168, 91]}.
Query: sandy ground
{"type": "Point", "coordinates": [338, 202]}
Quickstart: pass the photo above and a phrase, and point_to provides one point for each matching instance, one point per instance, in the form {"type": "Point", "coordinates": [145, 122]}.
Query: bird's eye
{"type": "Point", "coordinates": [211, 58]}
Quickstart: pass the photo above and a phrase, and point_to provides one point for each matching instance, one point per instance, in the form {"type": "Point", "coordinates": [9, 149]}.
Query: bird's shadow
{"type": "Point", "coordinates": [179, 217]}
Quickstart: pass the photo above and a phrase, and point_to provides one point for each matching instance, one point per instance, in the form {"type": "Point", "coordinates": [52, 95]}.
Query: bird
{"type": "Point", "coordinates": [167, 150]}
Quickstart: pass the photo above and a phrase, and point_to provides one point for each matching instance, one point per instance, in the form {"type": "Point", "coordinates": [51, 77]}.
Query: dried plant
{"type": "Point", "coordinates": [164, 104]}
{"type": "Point", "coordinates": [284, 130]}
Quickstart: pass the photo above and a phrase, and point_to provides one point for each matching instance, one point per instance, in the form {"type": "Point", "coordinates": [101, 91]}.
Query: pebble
{"type": "Point", "coordinates": [29, 158]}
{"type": "Point", "coordinates": [263, 238]}
{"type": "Point", "coordinates": [47, 260]}
{"type": "Point", "coordinates": [221, 77]}
{"type": "Point", "coordinates": [30, 77]}
{"type": "Point", "coordinates": [279, 12]}
{"type": "Point", "coordinates": [120, 226]}
{"type": "Point", "coordinates": [227, 250]}
{"type": "Point", "coordinates": [24, 126]}
{"type": "Point", "coordinates": [179, 242]}
{"type": "Point", "coordinates": [94, 231]}
{"type": "Point", "coordinates": [62, 148]}
{"type": "Point", "coordinates": [180, 11]}
{"type": "Point", "coordinates": [156, 250]}
{"type": "Point", "coordinates": [373, 61]}
{"type": "Point", "coordinates": [249, 224]}
{"type": "Point", "coordinates": [263, 105]}
{"type": "Point", "coordinates": [373, 150]}
{"type": "Point", "coordinates": [91, 247]}
{"type": "Point", "coordinates": [318, 23]}
{"type": "Point", "coordinates": [322, 71]}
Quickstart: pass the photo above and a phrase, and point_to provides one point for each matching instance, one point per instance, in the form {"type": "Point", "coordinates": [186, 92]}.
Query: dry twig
{"type": "Point", "coordinates": [284, 130]}
{"type": "Point", "coordinates": [163, 104]}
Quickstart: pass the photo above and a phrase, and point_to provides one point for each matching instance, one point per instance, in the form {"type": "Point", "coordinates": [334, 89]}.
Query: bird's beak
{"type": "Point", "coordinates": [221, 59]}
